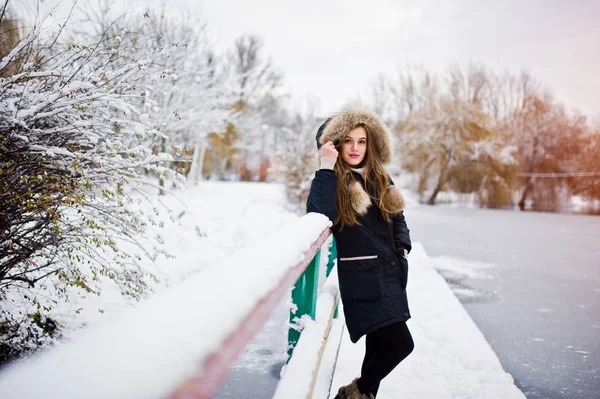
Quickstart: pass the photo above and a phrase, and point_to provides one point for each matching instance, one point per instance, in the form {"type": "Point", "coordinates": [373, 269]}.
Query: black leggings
{"type": "Point", "coordinates": [385, 349]}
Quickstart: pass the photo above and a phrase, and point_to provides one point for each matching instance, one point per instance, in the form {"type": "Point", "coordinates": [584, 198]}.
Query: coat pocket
{"type": "Point", "coordinates": [358, 258]}
{"type": "Point", "coordinates": [361, 278]}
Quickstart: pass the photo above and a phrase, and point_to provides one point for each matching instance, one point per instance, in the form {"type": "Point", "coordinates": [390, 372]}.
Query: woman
{"type": "Point", "coordinates": [372, 238]}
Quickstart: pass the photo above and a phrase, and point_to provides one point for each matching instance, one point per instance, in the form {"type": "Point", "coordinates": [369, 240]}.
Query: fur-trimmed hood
{"type": "Point", "coordinates": [336, 128]}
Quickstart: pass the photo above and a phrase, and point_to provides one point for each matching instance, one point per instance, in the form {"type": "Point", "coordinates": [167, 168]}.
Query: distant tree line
{"type": "Point", "coordinates": [502, 138]}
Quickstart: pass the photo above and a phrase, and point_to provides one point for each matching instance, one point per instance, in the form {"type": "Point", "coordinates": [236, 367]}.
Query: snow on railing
{"type": "Point", "coordinates": [181, 342]}
{"type": "Point", "coordinates": [300, 374]}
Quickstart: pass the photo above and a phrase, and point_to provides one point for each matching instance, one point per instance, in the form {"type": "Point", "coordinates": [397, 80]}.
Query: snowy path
{"type": "Point", "coordinates": [451, 359]}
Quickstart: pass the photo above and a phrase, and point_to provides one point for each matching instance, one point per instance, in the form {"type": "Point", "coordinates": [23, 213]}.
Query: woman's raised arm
{"type": "Point", "coordinates": [323, 193]}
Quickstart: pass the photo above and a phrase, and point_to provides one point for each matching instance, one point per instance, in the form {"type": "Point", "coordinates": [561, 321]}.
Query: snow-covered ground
{"type": "Point", "coordinates": [222, 217]}
{"type": "Point", "coordinates": [149, 350]}
{"type": "Point", "coordinates": [206, 224]}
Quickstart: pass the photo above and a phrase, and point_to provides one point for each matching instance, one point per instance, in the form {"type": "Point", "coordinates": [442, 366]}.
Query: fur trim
{"type": "Point", "coordinates": [394, 199]}
{"type": "Point", "coordinates": [359, 199]}
{"type": "Point", "coordinates": [341, 123]}
{"type": "Point", "coordinates": [351, 392]}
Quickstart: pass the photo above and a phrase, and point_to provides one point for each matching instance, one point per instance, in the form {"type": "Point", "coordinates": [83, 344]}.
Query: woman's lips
{"type": "Point", "coordinates": [354, 155]}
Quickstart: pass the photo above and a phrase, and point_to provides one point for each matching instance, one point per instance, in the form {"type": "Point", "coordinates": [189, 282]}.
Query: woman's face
{"type": "Point", "coordinates": [354, 146]}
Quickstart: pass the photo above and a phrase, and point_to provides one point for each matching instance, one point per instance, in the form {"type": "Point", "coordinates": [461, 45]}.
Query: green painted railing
{"type": "Point", "coordinates": [304, 294]}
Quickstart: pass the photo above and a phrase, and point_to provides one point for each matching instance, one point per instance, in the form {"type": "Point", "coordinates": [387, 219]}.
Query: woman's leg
{"type": "Point", "coordinates": [370, 351]}
{"type": "Point", "coordinates": [386, 348]}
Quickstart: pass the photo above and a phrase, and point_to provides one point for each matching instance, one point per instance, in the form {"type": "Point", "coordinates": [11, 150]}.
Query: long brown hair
{"type": "Point", "coordinates": [376, 183]}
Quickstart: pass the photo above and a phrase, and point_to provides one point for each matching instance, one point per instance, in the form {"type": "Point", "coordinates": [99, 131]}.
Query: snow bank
{"type": "Point", "coordinates": [147, 351]}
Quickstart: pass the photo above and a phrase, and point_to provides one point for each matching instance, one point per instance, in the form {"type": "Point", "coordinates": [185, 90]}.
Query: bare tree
{"type": "Point", "coordinates": [255, 75]}
{"type": "Point", "coordinates": [383, 98]}
{"type": "Point", "coordinates": [10, 35]}
{"type": "Point", "coordinates": [257, 82]}
{"type": "Point", "coordinates": [587, 183]}
{"type": "Point", "coordinates": [505, 94]}
{"type": "Point", "coordinates": [440, 139]}
{"type": "Point", "coordinates": [416, 88]}
{"type": "Point", "coordinates": [548, 140]}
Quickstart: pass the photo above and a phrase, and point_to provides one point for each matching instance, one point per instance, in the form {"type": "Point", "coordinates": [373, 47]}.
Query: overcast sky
{"type": "Point", "coordinates": [332, 49]}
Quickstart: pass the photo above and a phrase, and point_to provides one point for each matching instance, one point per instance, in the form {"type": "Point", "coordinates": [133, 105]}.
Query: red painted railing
{"type": "Point", "coordinates": [216, 366]}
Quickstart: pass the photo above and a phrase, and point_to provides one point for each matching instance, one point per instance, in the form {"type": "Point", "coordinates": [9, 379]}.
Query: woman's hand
{"type": "Point", "coordinates": [328, 155]}
{"type": "Point", "coordinates": [328, 150]}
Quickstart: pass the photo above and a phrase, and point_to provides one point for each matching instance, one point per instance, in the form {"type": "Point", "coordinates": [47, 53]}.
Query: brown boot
{"type": "Point", "coordinates": [351, 392]}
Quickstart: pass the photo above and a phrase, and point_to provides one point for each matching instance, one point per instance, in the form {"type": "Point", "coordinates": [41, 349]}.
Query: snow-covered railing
{"type": "Point", "coordinates": [304, 295]}
{"type": "Point", "coordinates": [180, 343]}
{"type": "Point", "coordinates": [301, 372]}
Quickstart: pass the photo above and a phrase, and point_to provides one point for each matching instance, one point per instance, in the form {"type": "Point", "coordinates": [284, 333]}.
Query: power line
{"type": "Point", "coordinates": [567, 174]}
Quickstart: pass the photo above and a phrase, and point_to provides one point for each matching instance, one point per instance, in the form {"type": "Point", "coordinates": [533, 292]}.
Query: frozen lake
{"type": "Point", "coordinates": [531, 282]}
{"type": "Point", "coordinates": [540, 307]}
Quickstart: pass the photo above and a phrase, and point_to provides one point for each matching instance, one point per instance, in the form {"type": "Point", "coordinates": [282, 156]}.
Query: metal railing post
{"type": "Point", "coordinates": [330, 264]}
{"type": "Point", "coordinates": [332, 256]}
{"type": "Point", "coordinates": [304, 296]}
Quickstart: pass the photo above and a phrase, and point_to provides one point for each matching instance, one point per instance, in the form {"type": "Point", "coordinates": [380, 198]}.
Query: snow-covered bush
{"type": "Point", "coordinates": [72, 174]}
{"type": "Point", "coordinates": [186, 88]}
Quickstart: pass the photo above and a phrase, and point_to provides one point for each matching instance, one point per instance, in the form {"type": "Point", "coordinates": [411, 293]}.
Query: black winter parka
{"type": "Point", "coordinates": [372, 269]}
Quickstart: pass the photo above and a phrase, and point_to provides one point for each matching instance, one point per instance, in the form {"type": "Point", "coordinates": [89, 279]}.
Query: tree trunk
{"type": "Point", "coordinates": [530, 169]}
{"type": "Point", "coordinates": [197, 163]}
{"type": "Point", "coordinates": [438, 187]}
{"type": "Point", "coordinates": [526, 191]}
{"type": "Point", "coordinates": [441, 179]}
